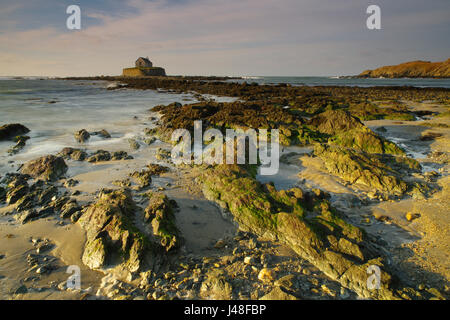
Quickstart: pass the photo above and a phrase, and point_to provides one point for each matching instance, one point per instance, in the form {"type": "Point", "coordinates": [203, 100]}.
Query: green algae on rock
{"type": "Point", "coordinates": [46, 168]}
{"type": "Point", "coordinates": [112, 239]}
{"type": "Point", "coordinates": [159, 213]}
{"type": "Point", "coordinates": [305, 222]}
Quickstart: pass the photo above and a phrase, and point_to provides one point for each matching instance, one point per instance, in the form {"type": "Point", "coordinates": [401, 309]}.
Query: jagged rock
{"type": "Point", "coordinates": [134, 144]}
{"type": "Point", "coordinates": [120, 155]}
{"type": "Point", "coordinates": [104, 134]}
{"type": "Point", "coordinates": [278, 293]}
{"type": "Point", "coordinates": [9, 131]}
{"type": "Point", "coordinates": [216, 286]}
{"type": "Point", "coordinates": [82, 136]}
{"type": "Point", "coordinates": [2, 194]}
{"type": "Point", "coordinates": [16, 193]}
{"type": "Point", "coordinates": [32, 214]}
{"type": "Point", "coordinates": [303, 223]}
{"type": "Point", "coordinates": [335, 121]}
{"type": "Point", "coordinates": [143, 177]}
{"type": "Point", "coordinates": [20, 144]}
{"type": "Point", "coordinates": [74, 154]}
{"type": "Point", "coordinates": [381, 172]}
{"type": "Point", "coordinates": [47, 168]}
{"type": "Point", "coordinates": [100, 155]}
{"type": "Point", "coordinates": [111, 237]}
{"type": "Point", "coordinates": [69, 208]}
{"type": "Point", "coordinates": [159, 214]}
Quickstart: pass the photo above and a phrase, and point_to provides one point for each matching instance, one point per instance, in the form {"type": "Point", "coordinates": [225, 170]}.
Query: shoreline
{"type": "Point", "coordinates": [183, 184]}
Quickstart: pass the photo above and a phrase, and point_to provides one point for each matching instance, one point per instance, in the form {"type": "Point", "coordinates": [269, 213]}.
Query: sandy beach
{"type": "Point", "coordinates": [141, 227]}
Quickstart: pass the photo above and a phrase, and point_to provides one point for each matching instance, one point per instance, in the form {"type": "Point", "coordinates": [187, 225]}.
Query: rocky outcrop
{"type": "Point", "coordinates": [46, 168]}
{"type": "Point", "coordinates": [307, 223]}
{"type": "Point", "coordinates": [82, 136]}
{"type": "Point", "coordinates": [159, 214]}
{"type": "Point", "coordinates": [9, 131]}
{"type": "Point", "coordinates": [413, 69]}
{"type": "Point", "coordinates": [112, 238]}
{"type": "Point", "coordinates": [346, 130]}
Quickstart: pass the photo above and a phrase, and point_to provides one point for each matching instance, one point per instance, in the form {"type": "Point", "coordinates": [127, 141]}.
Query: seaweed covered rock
{"type": "Point", "coordinates": [98, 156]}
{"type": "Point", "coordinates": [46, 168]}
{"type": "Point", "coordinates": [20, 144]}
{"type": "Point", "coordinates": [159, 213]}
{"type": "Point", "coordinates": [9, 131]}
{"type": "Point", "coordinates": [72, 153]}
{"type": "Point", "coordinates": [82, 136]}
{"type": "Point", "coordinates": [305, 222]}
{"type": "Point", "coordinates": [112, 239]}
{"type": "Point", "coordinates": [335, 121]}
{"type": "Point", "coordinates": [216, 286]}
{"type": "Point", "coordinates": [348, 131]}
{"type": "Point", "coordinates": [382, 173]}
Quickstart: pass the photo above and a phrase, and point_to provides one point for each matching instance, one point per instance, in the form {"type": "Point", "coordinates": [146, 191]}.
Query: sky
{"type": "Point", "coordinates": [219, 37]}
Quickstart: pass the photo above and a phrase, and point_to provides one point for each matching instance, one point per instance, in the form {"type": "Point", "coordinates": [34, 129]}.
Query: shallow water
{"type": "Point", "coordinates": [53, 110]}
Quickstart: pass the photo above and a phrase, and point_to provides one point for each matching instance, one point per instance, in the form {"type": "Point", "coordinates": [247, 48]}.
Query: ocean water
{"type": "Point", "coordinates": [54, 109]}
{"type": "Point", "coordinates": [340, 81]}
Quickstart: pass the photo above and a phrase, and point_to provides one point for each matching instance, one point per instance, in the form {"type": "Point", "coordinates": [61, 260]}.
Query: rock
{"type": "Point", "coordinates": [112, 239]}
{"type": "Point", "coordinates": [134, 144]}
{"type": "Point", "coordinates": [104, 134]}
{"type": "Point", "coordinates": [69, 209]}
{"type": "Point", "coordinates": [82, 136]}
{"type": "Point", "coordinates": [2, 194]}
{"type": "Point", "coordinates": [9, 131]}
{"type": "Point", "coordinates": [47, 168]}
{"type": "Point", "coordinates": [20, 144]}
{"type": "Point", "coordinates": [220, 244]}
{"type": "Point", "coordinates": [120, 155]}
{"type": "Point", "coordinates": [249, 260]}
{"type": "Point", "coordinates": [335, 121]}
{"type": "Point", "coordinates": [380, 172]}
{"type": "Point", "coordinates": [76, 216]}
{"type": "Point", "coordinates": [16, 193]}
{"type": "Point", "coordinates": [278, 293]}
{"type": "Point", "coordinates": [159, 213]}
{"type": "Point", "coordinates": [144, 177]}
{"type": "Point", "coordinates": [31, 215]}
{"type": "Point", "coordinates": [266, 275]}
{"type": "Point", "coordinates": [21, 290]}
{"type": "Point", "coordinates": [70, 183]}
{"type": "Point", "coordinates": [412, 216]}
{"type": "Point", "coordinates": [216, 286]}
{"type": "Point", "coordinates": [74, 154]}
{"type": "Point", "coordinates": [100, 155]}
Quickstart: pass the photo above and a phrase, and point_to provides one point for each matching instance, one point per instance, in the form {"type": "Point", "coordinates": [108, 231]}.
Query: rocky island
{"type": "Point", "coordinates": [413, 69]}
{"type": "Point", "coordinates": [143, 67]}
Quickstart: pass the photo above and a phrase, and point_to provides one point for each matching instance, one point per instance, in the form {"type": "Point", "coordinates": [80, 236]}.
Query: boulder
{"type": "Point", "coordinates": [112, 238]}
{"type": "Point", "coordinates": [46, 168]}
{"type": "Point", "coordinates": [9, 131]}
{"type": "Point", "coordinates": [159, 213]}
{"type": "Point", "coordinates": [82, 136]}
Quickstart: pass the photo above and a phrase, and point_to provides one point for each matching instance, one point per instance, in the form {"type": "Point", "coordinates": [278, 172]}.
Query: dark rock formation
{"type": "Point", "coordinates": [46, 168]}
{"type": "Point", "coordinates": [9, 131]}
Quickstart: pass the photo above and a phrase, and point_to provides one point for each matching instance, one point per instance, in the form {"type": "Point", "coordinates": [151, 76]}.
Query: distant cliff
{"type": "Point", "coordinates": [413, 69]}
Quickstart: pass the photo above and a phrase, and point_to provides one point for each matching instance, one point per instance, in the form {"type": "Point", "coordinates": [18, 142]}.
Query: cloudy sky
{"type": "Point", "coordinates": [220, 37]}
